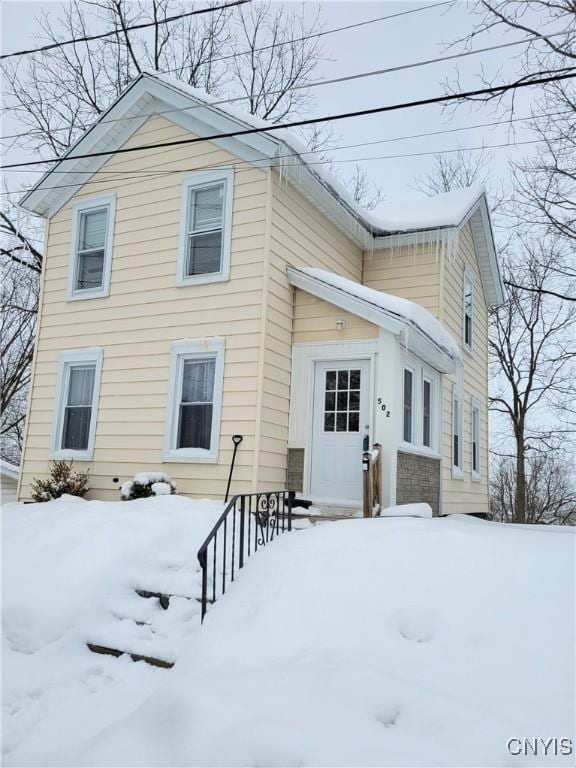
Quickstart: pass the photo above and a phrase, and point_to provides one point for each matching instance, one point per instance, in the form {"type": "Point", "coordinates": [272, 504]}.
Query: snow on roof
{"type": "Point", "coordinates": [444, 210]}
{"type": "Point", "coordinates": [448, 209]}
{"type": "Point", "coordinates": [401, 309]}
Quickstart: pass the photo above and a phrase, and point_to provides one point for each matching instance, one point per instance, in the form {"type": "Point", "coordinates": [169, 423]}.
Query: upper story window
{"type": "Point", "coordinates": [468, 310]}
{"type": "Point", "coordinates": [205, 227]}
{"type": "Point", "coordinates": [421, 408]}
{"type": "Point", "coordinates": [195, 400]}
{"type": "Point", "coordinates": [78, 390]}
{"type": "Point", "coordinates": [91, 255]}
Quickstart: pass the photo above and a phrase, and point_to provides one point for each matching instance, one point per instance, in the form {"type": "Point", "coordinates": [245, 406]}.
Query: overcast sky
{"type": "Point", "coordinates": [393, 42]}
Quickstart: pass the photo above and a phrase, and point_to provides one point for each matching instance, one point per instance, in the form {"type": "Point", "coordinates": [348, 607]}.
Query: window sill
{"type": "Point", "coordinates": [186, 457]}
{"type": "Point", "coordinates": [419, 450]}
{"type": "Point", "coordinates": [212, 277]}
{"type": "Point", "coordinates": [467, 349]}
{"type": "Point", "coordinates": [70, 455]}
{"type": "Point", "coordinates": [457, 473]}
{"type": "Point", "coordinates": [83, 295]}
{"type": "Point", "coordinates": [476, 478]}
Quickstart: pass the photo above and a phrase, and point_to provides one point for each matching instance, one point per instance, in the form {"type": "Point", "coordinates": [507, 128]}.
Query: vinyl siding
{"type": "Point", "coordinates": [410, 271]}
{"type": "Point", "coordinates": [466, 495]}
{"type": "Point", "coordinates": [300, 236]}
{"type": "Point", "coordinates": [315, 320]}
{"type": "Point", "coordinates": [146, 311]}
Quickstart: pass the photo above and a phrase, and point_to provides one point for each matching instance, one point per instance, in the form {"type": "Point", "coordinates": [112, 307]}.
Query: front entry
{"type": "Point", "coordinates": [340, 420]}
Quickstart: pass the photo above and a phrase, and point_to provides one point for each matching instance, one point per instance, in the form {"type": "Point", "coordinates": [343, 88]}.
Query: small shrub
{"type": "Point", "coordinates": [146, 484]}
{"type": "Point", "coordinates": [63, 480]}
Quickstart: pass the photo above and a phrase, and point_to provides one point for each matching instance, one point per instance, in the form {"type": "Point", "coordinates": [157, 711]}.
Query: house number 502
{"type": "Point", "coordinates": [383, 408]}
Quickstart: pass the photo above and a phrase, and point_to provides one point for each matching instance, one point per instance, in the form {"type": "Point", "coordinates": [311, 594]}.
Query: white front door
{"type": "Point", "coordinates": [340, 420]}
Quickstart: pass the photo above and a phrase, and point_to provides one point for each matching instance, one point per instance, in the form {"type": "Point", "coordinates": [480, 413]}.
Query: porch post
{"type": "Point", "coordinates": [387, 419]}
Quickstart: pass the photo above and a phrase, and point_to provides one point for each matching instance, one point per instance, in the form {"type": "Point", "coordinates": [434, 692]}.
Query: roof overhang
{"type": "Point", "coordinates": [415, 338]}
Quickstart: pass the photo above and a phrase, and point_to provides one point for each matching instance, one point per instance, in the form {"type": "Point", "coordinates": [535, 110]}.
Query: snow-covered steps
{"type": "Point", "coordinates": [147, 625]}
{"type": "Point", "coordinates": [154, 662]}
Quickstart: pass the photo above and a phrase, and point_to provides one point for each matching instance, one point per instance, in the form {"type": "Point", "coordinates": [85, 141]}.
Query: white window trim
{"type": "Point", "coordinates": [421, 371]}
{"type": "Point", "coordinates": [186, 350]}
{"type": "Point", "coordinates": [66, 361]}
{"type": "Point", "coordinates": [475, 406]}
{"type": "Point", "coordinates": [468, 279]}
{"type": "Point", "coordinates": [73, 293]}
{"type": "Point", "coordinates": [200, 179]}
{"type": "Point", "coordinates": [457, 469]}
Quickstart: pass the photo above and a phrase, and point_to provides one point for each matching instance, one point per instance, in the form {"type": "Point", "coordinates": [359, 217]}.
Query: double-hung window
{"type": "Point", "coordinates": [77, 402]}
{"type": "Point", "coordinates": [468, 310]}
{"type": "Point", "coordinates": [195, 399]}
{"type": "Point", "coordinates": [408, 425]}
{"type": "Point", "coordinates": [420, 406]}
{"type": "Point", "coordinates": [456, 433]}
{"type": "Point", "coordinates": [205, 229]}
{"type": "Point", "coordinates": [427, 394]}
{"type": "Point", "coordinates": [91, 257]}
{"type": "Point", "coordinates": [475, 440]}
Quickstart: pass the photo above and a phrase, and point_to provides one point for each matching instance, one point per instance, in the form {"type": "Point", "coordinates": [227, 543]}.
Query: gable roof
{"type": "Point", "coordinates": [420, 330]}
{"type": "Point", "coordinates": [202, 115]}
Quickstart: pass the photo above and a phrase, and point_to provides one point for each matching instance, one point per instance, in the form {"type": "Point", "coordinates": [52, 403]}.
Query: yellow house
{"type": "Point", "coordinates": [204, 279]}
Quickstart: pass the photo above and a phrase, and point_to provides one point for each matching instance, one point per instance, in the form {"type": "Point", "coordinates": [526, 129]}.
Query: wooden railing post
{"type": "Point", "coordinates": [377, 477]}
{"type": "Point", "coordinates": [366, 485]}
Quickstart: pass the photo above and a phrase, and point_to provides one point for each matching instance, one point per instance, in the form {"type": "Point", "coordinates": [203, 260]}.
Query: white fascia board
{"type": "Point", "coordinates": [145, 98]}
{"type": "Point", "coordinates": [344, 300]}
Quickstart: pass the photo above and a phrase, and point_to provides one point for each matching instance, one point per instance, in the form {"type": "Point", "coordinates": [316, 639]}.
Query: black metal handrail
{"type": "Point", "coordinates": [250, 521]}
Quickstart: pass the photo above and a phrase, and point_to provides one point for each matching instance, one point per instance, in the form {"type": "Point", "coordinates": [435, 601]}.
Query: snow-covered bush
{"type": "Point", "coordinates": [147, 484]}
{"type": "Point", "coordinates": [63, 480]}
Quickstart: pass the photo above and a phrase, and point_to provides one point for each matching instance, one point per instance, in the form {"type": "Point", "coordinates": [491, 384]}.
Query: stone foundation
{"type": "Point", "coordinates": [295, 478]}
{"type": "Point", "coordinates": [418, 480]}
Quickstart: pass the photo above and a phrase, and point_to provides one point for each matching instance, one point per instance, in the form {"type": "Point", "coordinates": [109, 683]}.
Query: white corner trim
{"type": "Point", "coordinates": [67, 360]}
{"type": "Point", "coordinates": [187, 349]}
{"type": "Point", "coordinates": [199, 179]}
{"type": "Point", "coordinates": [108, 201]}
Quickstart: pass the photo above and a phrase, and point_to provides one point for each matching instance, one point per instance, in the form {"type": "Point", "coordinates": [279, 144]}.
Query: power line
{"type": "Point", "coordinates": [244, 165]}
{"type": "Point", "coordinates": [340, 147]}
{"type": "Point", "coordinates": [492, 91]}
{"type": "Point", "coordinates": [236, 54]}
{"type": "Point", "coordinates": [314, 84]}
{"type": "Point", "coordinates": [120, 30]}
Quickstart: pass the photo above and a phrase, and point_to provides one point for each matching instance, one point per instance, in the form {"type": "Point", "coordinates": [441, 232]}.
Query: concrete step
{"type": "Point", "coordinates": [152, 660]}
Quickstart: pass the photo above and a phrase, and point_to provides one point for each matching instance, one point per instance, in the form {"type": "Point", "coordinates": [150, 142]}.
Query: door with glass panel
{"type": "Point", "coordinates": [341, 419]}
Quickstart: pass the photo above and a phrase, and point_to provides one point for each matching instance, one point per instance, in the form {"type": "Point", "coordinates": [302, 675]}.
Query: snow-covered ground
{"type": "Point", "coordinates": [363, 642]}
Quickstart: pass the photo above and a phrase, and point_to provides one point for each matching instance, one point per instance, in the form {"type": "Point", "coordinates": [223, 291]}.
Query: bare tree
{"type": "Point", "coordinates": [545, 184]}
{"type": "Point", "coordinates": [462, 169]}
{"type": "Point", "coordinates": [20, 269]}
{"type": "Point", "coordinates": [364, 191]}
{"type": "Point", "coordinates": [533, 362]}
{"type": "Point", "coordinates": [550, 491]}
{"type": "Point", "coordinates": [264, 55]}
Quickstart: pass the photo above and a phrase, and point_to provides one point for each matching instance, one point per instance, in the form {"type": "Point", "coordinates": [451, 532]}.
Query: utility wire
{"type": "Point", "coordinates": [244, 165]}
{"type": "Point", "coordinates": [314, 84]}
{"type": "Point", "coordinates": [492, 91]}
{"type": "Point", "coordinates": [236, 54]}
{"type": "Point", "coordinates": [120, 30]}
{"type": "Point", "coordinates": [341, 147]}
